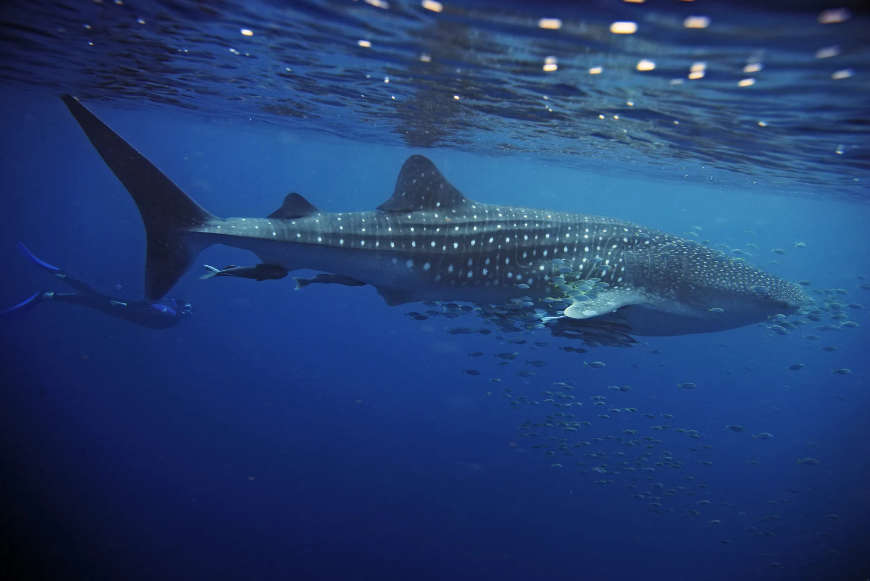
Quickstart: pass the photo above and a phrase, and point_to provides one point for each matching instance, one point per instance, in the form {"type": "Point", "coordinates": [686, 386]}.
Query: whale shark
{"type": "Point", "coordinates": [430, 242]}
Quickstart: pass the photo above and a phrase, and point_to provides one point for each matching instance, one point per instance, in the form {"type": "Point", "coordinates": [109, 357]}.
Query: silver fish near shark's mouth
{"type": "Point", "coordinates": [429, 242]}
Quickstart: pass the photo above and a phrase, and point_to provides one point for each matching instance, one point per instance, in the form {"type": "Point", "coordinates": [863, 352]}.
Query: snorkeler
{"type": "Point", "coordinates": [152, 315]}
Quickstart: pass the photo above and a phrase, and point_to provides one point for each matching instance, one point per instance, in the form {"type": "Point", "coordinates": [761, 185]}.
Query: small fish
{"type": "Point", "coordinates": [778, 251]}
{"type": "Point", "coordinates": [716, 310]}
{"type": "Point", "coordinates": [828, 328]}
{"type": "Point", "coordinates": [525, 372]}
{"type": "Point", "coordinates": [796, 366]}
{"type": "Point", "coordinates": [800, 245]}
{"type": "Point", "coordinates": [735, 428]}
{"type": "Point", "coordinates": [507, 356]}
{"type": "Point", "coordinates": [829, 349]}
{"type": "Point", "coordinates": [595, 364]}
{"type": "Point", "coordinates": [762, 436]}
{"type": "Point", "coordinates": [461, 331]}
{"type": "Point", "coordinates": [475, 354]}
{"type": "Point", "coordinates": [807, 461]}
{"type": "Point", "coordinates": [537, 363]}
{"type": "Point", "coordinates": [844, 371]}
{"type": "Point", "coordinates": [687, 385]}
{"type": "Point", "coordinates": [471, 371]}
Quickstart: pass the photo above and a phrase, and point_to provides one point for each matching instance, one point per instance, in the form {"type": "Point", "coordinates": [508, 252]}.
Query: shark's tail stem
{"type": "Point", "coordinates": [167, 212]}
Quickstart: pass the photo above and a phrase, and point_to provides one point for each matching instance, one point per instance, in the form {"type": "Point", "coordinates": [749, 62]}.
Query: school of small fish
{"type": "Point", "coordinates": [661, 460]}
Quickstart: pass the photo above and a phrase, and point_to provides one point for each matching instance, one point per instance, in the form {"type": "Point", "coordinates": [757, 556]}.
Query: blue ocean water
{"type": "Point", "coordinates": [321, 434]}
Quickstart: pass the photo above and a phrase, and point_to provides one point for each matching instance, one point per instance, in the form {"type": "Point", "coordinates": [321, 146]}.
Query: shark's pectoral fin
{"type": "Point", "coordinates": [394, 297]}
{"type": "Point", "coordinates": [604, 303]}
{"type": "Point", "coordinates": [420, 186]}
{"type": "Point", "coordinates": [295, 206]}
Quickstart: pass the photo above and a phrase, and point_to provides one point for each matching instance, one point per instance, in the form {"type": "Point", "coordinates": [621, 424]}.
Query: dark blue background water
{"type": "Point", "coordinates": [323, 435]}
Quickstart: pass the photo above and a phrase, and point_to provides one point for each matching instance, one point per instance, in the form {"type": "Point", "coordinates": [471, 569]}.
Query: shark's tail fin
{"type": "Point", "coordinates": [167, 212]}
{"type": "Point", "coordinates": [301, 283]}
{"type": "Point", "coordinates": [212, 272]}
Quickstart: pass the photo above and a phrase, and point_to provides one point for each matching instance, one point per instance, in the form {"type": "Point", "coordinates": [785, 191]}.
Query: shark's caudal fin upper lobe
{"type": "Point", "coordinates": [166, 210]}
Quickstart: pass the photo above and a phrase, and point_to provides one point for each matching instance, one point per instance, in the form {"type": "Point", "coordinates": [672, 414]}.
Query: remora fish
{"type": "Point", "coordinates": [258, 272]}
{"type": "Point", "coordinates": [429, 242]}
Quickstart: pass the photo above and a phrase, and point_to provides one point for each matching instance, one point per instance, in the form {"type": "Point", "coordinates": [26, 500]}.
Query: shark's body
{"type": "Point", "coordinates": [429, 242]}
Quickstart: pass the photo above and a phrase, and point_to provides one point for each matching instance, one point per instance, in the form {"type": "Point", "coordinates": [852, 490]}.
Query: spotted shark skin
{"type": "Point", "coordinates": [429, 242]}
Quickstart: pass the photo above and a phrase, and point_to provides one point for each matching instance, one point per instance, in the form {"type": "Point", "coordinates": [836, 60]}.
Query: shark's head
{"type": "Point", "coordinates": [702, 290]}
{"type": "Point", "coordinates": [738, 293]}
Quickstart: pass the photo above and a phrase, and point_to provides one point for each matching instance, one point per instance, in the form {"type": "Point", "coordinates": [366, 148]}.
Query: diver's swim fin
{"type": "Point", "coordinates": [36, 260]}
{"type": "Point", "coordinates": [27, 304]}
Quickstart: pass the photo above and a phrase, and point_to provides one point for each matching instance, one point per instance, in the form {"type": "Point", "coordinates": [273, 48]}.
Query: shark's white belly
{"type": "Point", "coordinates": [409, 276]}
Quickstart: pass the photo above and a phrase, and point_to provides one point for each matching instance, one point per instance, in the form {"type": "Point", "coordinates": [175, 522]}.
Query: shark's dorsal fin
{"type": "Point", "coordinates": [420, 186]}
{"type": "Point", "coordinates": [294, 206]}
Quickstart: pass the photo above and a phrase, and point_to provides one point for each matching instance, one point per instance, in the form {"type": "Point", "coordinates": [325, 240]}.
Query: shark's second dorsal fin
{"type": "Point", "coordinates": [420, 186]}
{"type": "Point", "coordinates": [294, 206]}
